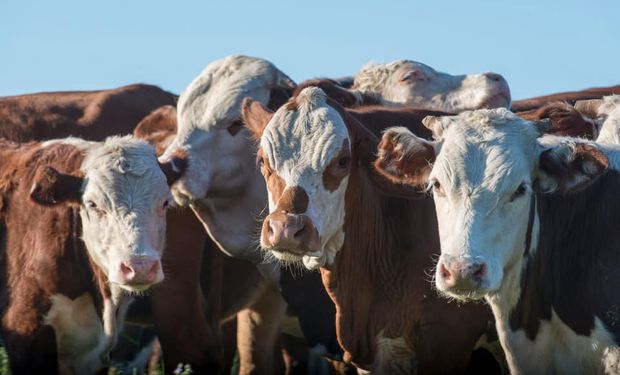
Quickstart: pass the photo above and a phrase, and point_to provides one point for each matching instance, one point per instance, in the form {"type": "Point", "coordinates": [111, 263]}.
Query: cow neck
{"type": "Point", "coordinates": [380, 269]}
{"type": "Point", "coordinates": [573, 262]}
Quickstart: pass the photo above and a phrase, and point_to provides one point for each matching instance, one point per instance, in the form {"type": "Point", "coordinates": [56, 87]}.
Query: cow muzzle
{"type": "Point", "coordinates": [461, 277]}
{"type": "Point", "coordinates": [290, 233]}
{"type": "Point", "coordinates": [140, 273]}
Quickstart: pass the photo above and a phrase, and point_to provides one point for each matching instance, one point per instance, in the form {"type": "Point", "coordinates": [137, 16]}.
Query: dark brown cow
{"type": "Point", "coordinates": [570, 97]}
{"type": "Point", "coordinates": [73, 251]}
{"type": "Point", "coordinates": [91, 115]}
{"type": "Point", "coordinates": [330, 210]}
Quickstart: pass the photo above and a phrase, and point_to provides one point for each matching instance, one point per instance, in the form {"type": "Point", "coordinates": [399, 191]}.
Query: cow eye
{"type": "Point", "coordinates": [166, 204]}
{"type": "Point", "coordinates": [91, 205]}
{"type": "Point", "coordinates": [437, 189]}
{"type": "Point", "coordinates": [343, 162]}
{"type": "Point", "coordinates": [519, 192]}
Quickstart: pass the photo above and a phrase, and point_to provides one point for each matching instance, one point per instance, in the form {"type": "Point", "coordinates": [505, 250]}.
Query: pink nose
{"type": "Point", "coordinates": [140, 270]}
{"type": "Point", "coordinates": [462, 275]}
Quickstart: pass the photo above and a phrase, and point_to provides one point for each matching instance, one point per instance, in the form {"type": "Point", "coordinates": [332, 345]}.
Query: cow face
{"type": "Point", "coordinates": [483, 171]}
{"type": "Point", "coordinates": [305, 155]}
{"type": "Point", "coordinates": [608, 112]}
{"type": "Point", "coordinates": [221, 183]}
{"type": "Point", "coordinates": [412, 84]}
{"type": "Point", "coordinates": [123, 197]}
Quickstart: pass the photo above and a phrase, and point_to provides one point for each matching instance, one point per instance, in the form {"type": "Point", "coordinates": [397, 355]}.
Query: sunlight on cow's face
{"type": "Point", "coordinates": [482, 184]}
{"type": "Point", "coordinates": [413, 84]}
{"type": "Point", "coordinates": [483, 171]}
{"type": "Point", "coordinates": [305, 155]}
{"type": "Point", "coordinates": [123, 212]}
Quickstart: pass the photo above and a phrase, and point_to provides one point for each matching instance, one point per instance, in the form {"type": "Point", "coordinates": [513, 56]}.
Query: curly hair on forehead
{"type": "Point", "coordinates": [373, 76]}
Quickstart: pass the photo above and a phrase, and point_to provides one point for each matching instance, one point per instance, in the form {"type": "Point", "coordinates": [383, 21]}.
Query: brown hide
{"type": "Point", "coordinates": [91, 115]}
{"type": "Point", "coordinates": [41, 254]}
{"type": "Point", "coordinates": [380, 281]}
{"type": "Point", "coordinates": [570, 97]}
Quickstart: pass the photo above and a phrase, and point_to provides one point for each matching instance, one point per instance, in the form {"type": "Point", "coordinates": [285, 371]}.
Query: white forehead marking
{"type": "Point", "coordinates": [306, 139]}
{"type": "Point", "coordinates": [214, 97]}
{"type": "Point", "coordinates": [486, 149]}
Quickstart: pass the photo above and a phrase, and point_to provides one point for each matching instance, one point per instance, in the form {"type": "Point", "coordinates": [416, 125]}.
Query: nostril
{"type": "Point", "coordinates": [127, 271]}
{"type": "Point", "coordinates": [493, 77]}
{"type": "Point", "coordinates": [444, 272]}
{"type": "Point", "coordinates": [479, 271]}
{"type": "Point", "coordinates": [300, 232]}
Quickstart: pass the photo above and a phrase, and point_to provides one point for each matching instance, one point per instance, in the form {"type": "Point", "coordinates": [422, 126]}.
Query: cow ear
{"type": "Point", "coordinates": [51, 187]}
{"type": "Point", "coordinates": [255, 116]}
{"type": "Point", "coordinates": [568, 167]}
{"type": "Point", "coordinates": [405, 158]}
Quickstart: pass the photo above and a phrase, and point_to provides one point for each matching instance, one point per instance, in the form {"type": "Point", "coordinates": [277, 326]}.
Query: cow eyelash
{"type": "Point", "coordinates": [435, 187]}
{"type": "Point", "coordinates": [91, 205]}
{"type": "Point", "coordinates": [521, 190]}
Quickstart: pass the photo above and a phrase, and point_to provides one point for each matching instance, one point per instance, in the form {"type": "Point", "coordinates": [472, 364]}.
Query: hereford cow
{"type": "Point", "coordinates": [606, 112]}
{"type": "Point", "coordinates": [83, 227]}
{"type": "Point", "coordinates": [526, 223]}
{"type": "Point", "coordinates": [329, 210]}
{"type": "Point", "coordinates": [91, 115]}
{"type": "Point", "coordinates": [413, 84]}
{"type": "Point", "coordinates": [524, 105]}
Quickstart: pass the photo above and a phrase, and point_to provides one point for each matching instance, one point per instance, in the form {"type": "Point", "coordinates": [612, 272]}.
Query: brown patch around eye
{"type": "Point", "coordinates": [338, 168]}
{"type": "Point", "coordinates": [275, 184]}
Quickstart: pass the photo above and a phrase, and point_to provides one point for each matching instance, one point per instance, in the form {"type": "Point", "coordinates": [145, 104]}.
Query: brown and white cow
{"type": "Point", "coordinates": [91, 115]}
{"type": "Point", "coordinates": [412, 84]}
{"type": "Point", "coordinates": [83, 228]}
{"type": "Point", "coordinates": [329, 210]}
{"type": "Point", "coordinates": [606, 114]}
{"type": "Point", "coordinates": [527, 224]}
{"type": "Point", "coordinates": [525, 105]}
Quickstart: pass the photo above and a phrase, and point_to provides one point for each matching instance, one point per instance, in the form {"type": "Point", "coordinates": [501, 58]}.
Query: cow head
{"type": "Point", "coordinates": [413, 84]}
{"type": "Point", "coordinates": [123, 196]}
{"type": "Point", "coordinates": [606, 112]}
{"type": "Point", "coordinates": [221, 183]}
{"type": "Point", "coordinates": [483, 171]}
{"type": "Point", "coordinates": [305, 157]}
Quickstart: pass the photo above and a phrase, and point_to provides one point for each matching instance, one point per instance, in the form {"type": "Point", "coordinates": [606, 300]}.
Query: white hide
{"type": "Point", "coordinates": [609, 114]}
{"type": "Point", "coordinates": [83, 340]}
{"type": "Point", "coordinates": [413, 84]}
{"type": "Point", "coordinates": [124, 202]}
{"type": "Point", "coordinates": [222, 184]}
{"type": "Point", "coordinates": [299, 145]}
{"type": "Point", "coordinates": [558, 350]}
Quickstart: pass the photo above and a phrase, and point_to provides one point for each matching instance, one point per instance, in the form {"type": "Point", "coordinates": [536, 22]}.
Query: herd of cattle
{"type": "Point", "coordinates": [412, 191]}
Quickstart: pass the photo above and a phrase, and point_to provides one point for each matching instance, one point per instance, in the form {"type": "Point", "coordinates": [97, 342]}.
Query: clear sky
{"type": "Point", "coordinates": [540, 46]}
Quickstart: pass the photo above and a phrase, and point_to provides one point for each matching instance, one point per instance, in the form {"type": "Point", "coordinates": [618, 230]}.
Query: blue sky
{"type": "Point", "coordinates": [540, 46]}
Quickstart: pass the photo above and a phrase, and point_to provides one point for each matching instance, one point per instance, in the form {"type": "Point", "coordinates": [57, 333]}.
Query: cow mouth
{"type": "Point", "coordinates": [136, 289]}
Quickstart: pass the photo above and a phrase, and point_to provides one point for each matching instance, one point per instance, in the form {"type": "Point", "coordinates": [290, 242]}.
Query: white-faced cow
{"type": "Point", "coordinates": [413, 84]}
{"type": "Point", "coordinates": [526, 223]}
{"type": "Point", "coordinates": [606, 113]}
{"type": "Point", "coordinates": [329, 210]}
{"type": "Point", "coordinates": [83, 228]}
{"type": "Point", "coordinates": [221, 184]}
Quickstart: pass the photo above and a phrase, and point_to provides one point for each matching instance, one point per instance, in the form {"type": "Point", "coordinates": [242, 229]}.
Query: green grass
{"type": "Point", "coordinates": [4, 363]}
